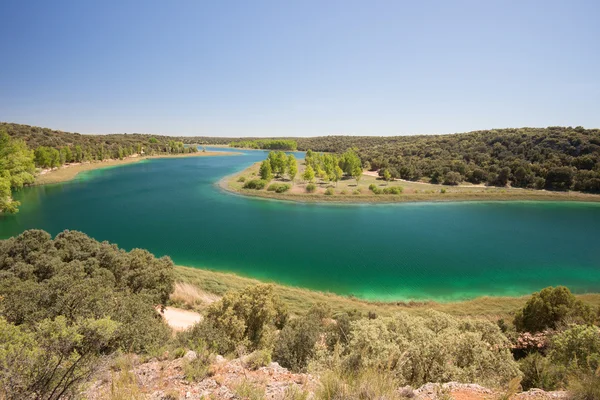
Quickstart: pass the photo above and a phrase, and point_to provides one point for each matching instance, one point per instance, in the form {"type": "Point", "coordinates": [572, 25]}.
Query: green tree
{"type": "Point", "coordinates": [265, 171]}
{"type": "Point", "coordinates": [549, 307]}
{"type": "Point", "coordinates": [16, 170]}
{"type": "Point", "coordinates": [357, 172]}
{"type": "Point", "coordinates": [387, 176]}
{"type": "Point", "coordinates": [309, 174]}
{"type": "Point", "coordinates": [292, 167]}
{"type": "Point", "coordinates": [337, 174]}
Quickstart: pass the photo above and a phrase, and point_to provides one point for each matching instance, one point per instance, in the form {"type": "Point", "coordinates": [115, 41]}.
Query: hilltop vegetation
{"type": "Point", "coordinates": [554, 158]}
{"type": "Point", "coordinates": [266, 144]}
{"type": "Point", "coordinates": [70, 305]}
{"type": "Point", "coordinates": [16, 170]}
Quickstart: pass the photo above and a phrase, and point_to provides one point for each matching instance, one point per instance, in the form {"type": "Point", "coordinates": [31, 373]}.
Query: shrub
{"type": "Point", "coordinates": [247, 391]}
{"type": "Point", "coordinates": [453, 178]}
{"type": "Point", "coordinates": [256, 184]}
{"type": "Point", "coordinates": [344, 192]}
{"type": "Point", "coordinates": [279, 187]}
{"type": "Point", "coordinates": [577, 347]}
{"type": "Point", "coordinates": [311, 187]}
{"type": "Point", "coordinates": [373, 188]}
{"type": "Point", "coordinates": [540, 372]}
{"type": "Point", "coordinates": [584, 386]}
{"type": "Point", "coordinates": [392, 190]}
{"type": "Point", "coordinates": [549, 307]}
{"type": "Point", "coordinates": [329, 192]}
{"type": "Point", "coordinates": [293, 392]}
{"type": "Point", "coordinates": [241, 179]}
{"type": "Point", "coordinates": [199, 368]}
{"type": "Point", "coordinates": [258, 358]}
{"type": "Point", "coordinates": [434, 348]}
{"type": "Point", "coordinates": [248, 317]}
{"type": "Point", "coordinates": [443, 190]}
{"type": "Point", "coordinates": [357, 191]}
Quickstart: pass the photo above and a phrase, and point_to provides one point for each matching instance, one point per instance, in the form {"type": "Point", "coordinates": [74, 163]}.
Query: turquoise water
{"type": "Point", "coordinates": [437, 251]}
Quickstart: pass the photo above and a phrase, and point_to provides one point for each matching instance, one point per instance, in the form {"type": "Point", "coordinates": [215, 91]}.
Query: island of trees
{"type": "Point", "coordinates": [71, 307]}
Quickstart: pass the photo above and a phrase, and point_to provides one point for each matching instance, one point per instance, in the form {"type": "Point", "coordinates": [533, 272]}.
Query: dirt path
{"type": "Point", "coordinates": [180, 319]}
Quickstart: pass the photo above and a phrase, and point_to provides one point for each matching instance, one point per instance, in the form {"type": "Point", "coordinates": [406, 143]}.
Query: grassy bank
{"type": "Point", "coordinates": [69, 172]}
{"type": "Point", "coordinates": [300, 300]}
{"type": "Point", "coordinates": [348, 191]}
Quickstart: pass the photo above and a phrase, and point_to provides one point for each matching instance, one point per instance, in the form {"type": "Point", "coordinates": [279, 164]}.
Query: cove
{"type": "Point", "coordinates": [438, 251]}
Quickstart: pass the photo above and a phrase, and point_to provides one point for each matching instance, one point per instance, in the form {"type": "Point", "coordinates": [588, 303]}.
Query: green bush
{"type": "Point", "coordinates": [550, 307]}
{"type": "Point", "coordinates": [584, 386]}
{"type": "Point", "coordinates": [540, 372]}
{"type": "Point", "coordinates": [295, 345]}
{"type": "Point", "coordinates": [79, 278]}
{"type": "Point", "coordinates": [258, 359]}
{"type": "Point", "coordinates": [577, 347]}
{"type": "Point", "coordinates": [249, 318]}
{"type": "Point", "coordinates": [392, 190]}
{"type": "Point", "coordinates": [329, 192]}
{"type": "Point", "coordinates": [373, 188]}
{"type": "Point", "coordinates": [52, 361]}
{"type": "Point", "coordinates": [242, 179]}
{"type": "Point", "coordinates": [256, 184]}
{"type": "Point", "coordinates": [279, 187]}
{"type": "Point", "coordinates": [434, 348]}
{"type": "Point", "coordinates": [311, 187]}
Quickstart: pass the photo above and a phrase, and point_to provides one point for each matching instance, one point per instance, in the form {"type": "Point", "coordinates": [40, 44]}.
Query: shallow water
{"type": "Point", "coordinates": [439, 251]}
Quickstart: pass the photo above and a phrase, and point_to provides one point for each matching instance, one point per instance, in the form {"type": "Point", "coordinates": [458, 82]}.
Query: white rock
{"type": "Point", "coordinates": [190, 355]}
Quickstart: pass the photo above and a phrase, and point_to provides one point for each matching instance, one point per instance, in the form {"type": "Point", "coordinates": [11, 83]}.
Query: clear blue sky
{"type": "Point", "coordinates": [299, 68]}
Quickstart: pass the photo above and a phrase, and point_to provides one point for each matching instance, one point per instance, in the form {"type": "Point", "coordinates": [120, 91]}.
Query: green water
{"type": "Point", "coordinates": [435, 251]}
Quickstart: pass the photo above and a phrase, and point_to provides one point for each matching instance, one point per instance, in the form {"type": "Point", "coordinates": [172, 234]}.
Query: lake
{"type": "Point", "coordinates": [440, 251]}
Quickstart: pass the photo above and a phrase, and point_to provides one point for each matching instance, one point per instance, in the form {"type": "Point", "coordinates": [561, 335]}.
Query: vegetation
{"type": "Point", "coordinates": [266, 144]}
{"type": "Point", "coordinates": [554, 158]}
{"type": "Point", "coordinates": [55, 148]}
{"type": "Point", "coordinates": [66, 302]}
{"type": "Point", "coordinates": [16, 169]}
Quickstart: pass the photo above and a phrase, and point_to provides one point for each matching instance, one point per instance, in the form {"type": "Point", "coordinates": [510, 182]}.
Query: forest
{"type": "Point", "coordinates": [71, 304]}
{"type": "Point", "coordinates": [266, 144]}
{"type": "Point", "coordinates": [554, 158]}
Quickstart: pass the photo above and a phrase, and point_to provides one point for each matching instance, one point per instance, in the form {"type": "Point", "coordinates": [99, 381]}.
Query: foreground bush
{"type": "Point", "coordinates": [256, 184]}
{"type": "Point", "coordinates": [54, 360]}
{"type": "Point", "coordinates": [79, 278]}
{"type": "Point", "coordinates": [248, 319]}
{"type": "Point", "coordinates": [311, 187]}
{"type": "Point", "coordinates": [550, 307]}
{"type": "Point", "coordinates": [434, 348]}
{"type": "Point", "coordinates": [279, 187]}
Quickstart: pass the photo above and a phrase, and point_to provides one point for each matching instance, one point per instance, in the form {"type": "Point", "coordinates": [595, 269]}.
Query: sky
{"type": "Point", "coordinates": [299, 68]}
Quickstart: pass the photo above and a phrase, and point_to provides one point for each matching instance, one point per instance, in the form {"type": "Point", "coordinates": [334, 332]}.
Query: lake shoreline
{"type": "Point", "coordinates": [69, 172]}
{"type": "Point", "coordinates": [414, 194]}
{"type": "Point", "coordinates": [301, 298]}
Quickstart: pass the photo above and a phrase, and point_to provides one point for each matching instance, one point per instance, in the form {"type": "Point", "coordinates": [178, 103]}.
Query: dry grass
{"type": "Point", "coordinates": [69, 172]}
{"type": "Point", "coordinates": [348, 191]}
{"type": "Point", "coordinates": [299, 300]}
{"type": "Point", "coordinates": [191, 297]}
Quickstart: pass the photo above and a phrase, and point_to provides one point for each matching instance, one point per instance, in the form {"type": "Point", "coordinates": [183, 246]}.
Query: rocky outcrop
{"type": "Point", "coordinates": [228, 379]}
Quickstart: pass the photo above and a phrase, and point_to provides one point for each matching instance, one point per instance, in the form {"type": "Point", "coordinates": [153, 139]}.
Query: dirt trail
{"type": "Point", "coordinates": [180, 319]}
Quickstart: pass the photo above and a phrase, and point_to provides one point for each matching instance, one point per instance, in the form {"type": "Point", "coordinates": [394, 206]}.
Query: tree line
{"type": "Point", "coordinates": [55, 148]}
{"type": "Point", "coordinates": [266, 144]}
{"type": "Point", "coordinates": [554, 158]}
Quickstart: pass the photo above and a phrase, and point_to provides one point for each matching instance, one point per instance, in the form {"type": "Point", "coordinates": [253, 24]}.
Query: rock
{"type": "Point", "coordinates": [190, 355]}
{"type": "Point", "coordinates": [219, 359]}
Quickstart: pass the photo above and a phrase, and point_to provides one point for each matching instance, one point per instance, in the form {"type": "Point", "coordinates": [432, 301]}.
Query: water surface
{"type": "Point", "coordinates": [437, 251]}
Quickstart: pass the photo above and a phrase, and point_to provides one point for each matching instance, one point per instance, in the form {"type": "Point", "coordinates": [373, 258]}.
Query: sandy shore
{"type": "Point", "coordinates": [69, 172]}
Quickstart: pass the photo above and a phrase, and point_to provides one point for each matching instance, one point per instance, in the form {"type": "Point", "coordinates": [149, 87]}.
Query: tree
{"type": "Point", "coordinates": [452, 178]}
{"type": "Point", "coordinates": [16, 170]}
{"type": "Point", "coordinates": [337, 174]}
{"type": "Point", "coordinates": [278, 162]}
{"type": "Point", "coordinates": [387, 176]}
{"type": "Point", "coordinates": [357, 172]}
{"type": "Point", "coordinates": [309, 174]}
{"type": "Point", "coordinates": [559, 178]}
{"type": "Point", "coordinates": [292, 167]}
{"type": "Point", "coordinates": [549, 307]}
{"type": "Point", "coordinates": [265, 170]}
